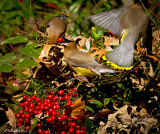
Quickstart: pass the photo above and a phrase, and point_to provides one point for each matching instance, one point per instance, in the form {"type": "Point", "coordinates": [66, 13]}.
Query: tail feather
{"type": "Point", "coordinates": [121, 57]}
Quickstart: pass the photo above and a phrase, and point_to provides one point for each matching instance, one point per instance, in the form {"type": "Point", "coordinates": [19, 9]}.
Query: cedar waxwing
{"type": "Point", "coordinates": [132, 25]}
{"type": "Point", "coordinates": [82, 63]}
{"type": "Point", "coordinates": [56, 27]}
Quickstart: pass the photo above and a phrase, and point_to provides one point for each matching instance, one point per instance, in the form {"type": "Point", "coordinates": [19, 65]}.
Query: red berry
{"type": "Point", "coordinates": [23, 116]}
{"type": "Point", "coordinates": [63, 132]}
{"type": "Point", "coordinates": [61, 98]}
{"type": "Point", "coordinates": [35, 112]}
{"type": "Point", "coordinates": [22, 105]}
{"type": "Point", "coordinates": [70, 93]}
{"type": "Point", "coordinates": [30, 110]}
{"type": "Point", "coordinates": [66, 97]}
{"type": "Point", "coordinates": [26, 120]}
{"type": "Point", "coordinates": [54, 113]}
{"type": "Point", "coordinates": [73, 124]}
{"type": "Point", "coordinates": [33, 97]}
{"type": "Point", "coordinates": [28, 115]}
{"type": "Point", "coordinates": [19, 124]}
{"type": "Point", "coordinates": [37, 99]}
{"type": "Point", "coordinates": [57, 107]}
{"type": "Point", "coordinates": [24, 97]}
{"type": "Point", "coordinates": [45, 103]}
{"type": "Point", "coordinates": [37, 107]}
{"type": "Point", "coordinates": [69, 104]}
{"type": "Point", "coordinates": [64, 117]}
{"type": "Point", "coordinates": [48, 101]}
{"type": "Point", "coordinates": [21, 112]}
{"type": "Point", "coordinates": [82, 131]}
{"type": "Point", "coordinates": [26, 103]}
{"type": "Point", "coordinates": [29, 99]}
{"type": "Point", "coordinates": [18, 115]}
{"type": "Point", "coordinates": [78, 127]}
{"type": "Point", "coordinates": [53, 118]}
{"type": "Point", "coordinates": [74, 94]}
{"type": "Point", "coordinates": [20, 120]}
{"type": "Point", "coordinates": [26, 109]}
{"type": "Point", "coordinates": [40, 131]}
{"type": "Point", "coordinates": [39, 125]}
{"type": "Point", "coordinates": [78, 131]}
{"type": "Point", "coordinates": [50, 110]}
{"type": "Point", "coordinates": [71, 130]}
{"type": "Point", "coordinates": [49, 105]}
{"type": "Point", "coordinates": [50, 96]}
{"type": "Point", "coordinates": [42, 107]}
{"type": "Point", "coordinates": [31, 105]}
{"type": "Point", "coordinates": [39, 103]}
{"type": "Point", "coordinates": [60, 40]}
{"type": "Point", "coordinates": [40, 111]}
{"type": "Point", "coordinates": [60, 119]}
{"type": "Point", "coordinates": [61, 92]}
{"type": "Point", "coordinates": [49, 120]}
{"type": "Point", "coordinates": [47, 132]}
{"type": "Point", "coordinates": [69, 101]}
{"type": "Point", "coordinates": [75, 88]}
{"type": "Point", "coordinates": [46, 108]}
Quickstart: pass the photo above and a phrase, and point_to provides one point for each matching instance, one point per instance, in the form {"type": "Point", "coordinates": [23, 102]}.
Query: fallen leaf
{"type": "Point", "coordinates": [44, 52]}
{"type": "Point", "coordinates": [77, 107]}
{"type": "Point", "coordinates": [12, 119]}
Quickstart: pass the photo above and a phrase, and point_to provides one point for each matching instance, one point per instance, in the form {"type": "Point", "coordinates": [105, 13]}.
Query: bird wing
{"type": "Point", "coordinates": [80, 59]}
{"type": "Point", "coordinates": [109, 20]}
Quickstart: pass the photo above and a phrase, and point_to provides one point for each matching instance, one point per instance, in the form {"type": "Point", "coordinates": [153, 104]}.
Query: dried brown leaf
{"type": "Point", "coordinates": [11, 117]}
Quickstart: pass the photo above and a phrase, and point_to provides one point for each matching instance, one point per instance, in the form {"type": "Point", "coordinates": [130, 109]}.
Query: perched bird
{"type": "Point", "coordinates": [56, 27]}
{"type": "Point", "coordinates": [132, 25]}
{"type": "Point", "coordinates": [82, 63]}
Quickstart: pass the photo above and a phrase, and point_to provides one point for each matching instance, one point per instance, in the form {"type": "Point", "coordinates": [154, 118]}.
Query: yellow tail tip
{"type": "Point", "coordinates": [116, 66]}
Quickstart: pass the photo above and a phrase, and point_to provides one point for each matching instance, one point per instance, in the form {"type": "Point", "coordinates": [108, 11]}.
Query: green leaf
{"type": "Point", "coordinates": [31, 50]}
{"type": "Point", "coordinates": [88, 129]}
{"type": "Point", "coordinates": [75, 7]}
{"type": "Point", "coordinates": [35, 122]}
{"type": "Point", "coordinates": [106, 101]}
{"type": "Point", "coordinates": [24, 62]}
{"type": "Point", "coordinates": [6, 68]}
{"type": "Point", "coordinates": [89, 108]}
{"type": "Point", "coordinates": [94, 34]}
{"type": "Point", "coordinates": [7, 58]}
{"type": "Point", "coordinates": [15, 40]}
{"type": "Point", "coordinates": [97, 102]}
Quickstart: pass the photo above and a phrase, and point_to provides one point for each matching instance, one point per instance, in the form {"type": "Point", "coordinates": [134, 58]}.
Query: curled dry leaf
{"type": "Point", "coordinates": [77, 107]}
{"type": "Point", "coordinates": [12, 119]}
{"type": "Point", "coordinates": [129, 118]}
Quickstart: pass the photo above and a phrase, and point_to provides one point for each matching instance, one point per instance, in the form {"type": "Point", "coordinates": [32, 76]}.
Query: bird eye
{"type": "Point", "coordinates": [48, 26]}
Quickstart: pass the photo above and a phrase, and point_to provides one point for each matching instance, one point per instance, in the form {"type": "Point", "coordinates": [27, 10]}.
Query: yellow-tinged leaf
{"type": "Point", "coordinates": [77, 107]}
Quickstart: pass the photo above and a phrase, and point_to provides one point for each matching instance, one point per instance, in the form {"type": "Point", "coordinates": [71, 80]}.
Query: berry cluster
{"type": "Point", "coordinates": [51, 114]}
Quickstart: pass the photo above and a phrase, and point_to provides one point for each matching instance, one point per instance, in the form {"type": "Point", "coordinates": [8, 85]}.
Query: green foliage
{"type": "Point", "coordinates": [24, 63]}
{"type": "Point", "coordinates": [15, 40]}
{"type": "Point", "coordinates": [5, 62]}
{"type": "Point", "coordinates": [88, 129]}
{"type": "Point", "coordinates": [31, 50]}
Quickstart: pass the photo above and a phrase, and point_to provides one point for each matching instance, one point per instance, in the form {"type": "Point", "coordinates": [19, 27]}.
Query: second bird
{"type": "Point", "coordinates": [82, 63]}
{"type": "Point", "coordinates": [132, 25]}
{"type": "Point", "coordinates": [56, 27]}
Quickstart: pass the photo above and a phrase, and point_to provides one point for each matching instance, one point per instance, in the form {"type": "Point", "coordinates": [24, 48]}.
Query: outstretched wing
{"type": "Point", "coordinates": [109, 20]}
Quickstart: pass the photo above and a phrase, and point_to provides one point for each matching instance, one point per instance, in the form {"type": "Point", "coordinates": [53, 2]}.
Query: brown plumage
{"type": "Point", "coordinates": [82, 63]}
{"type": "Point", "coordinates": [132, 25]}
{"type": "Point", "coordinates": [56, 27]}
